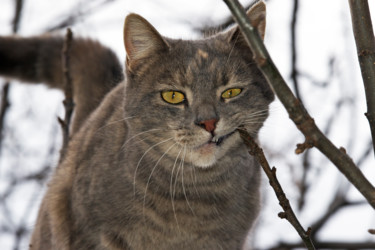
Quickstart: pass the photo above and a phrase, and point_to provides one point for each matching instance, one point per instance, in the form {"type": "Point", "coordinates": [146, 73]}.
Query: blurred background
{"type": "Point", "coordinates": [312, 44]}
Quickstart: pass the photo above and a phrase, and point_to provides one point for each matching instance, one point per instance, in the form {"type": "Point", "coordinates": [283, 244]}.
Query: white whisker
{"type": "Point", "coordinates": [114, 122]}
{"type": "Point", "coordinates": [194, 176]}
{"type": "Point", "coordinates": [252, 122]}
{"type": "Point", "coordinates": [139, 162]}
{"type": "Point", "coordinates": [141, 133]}
{"type": "Point", "coordinates": [258, 114]}
{"type": "Point", "coordinates": [171, 190]}
{"type": "Point", "coordinates": [182, 181]}
{"type": "Point", "coordinates": [152, 171]}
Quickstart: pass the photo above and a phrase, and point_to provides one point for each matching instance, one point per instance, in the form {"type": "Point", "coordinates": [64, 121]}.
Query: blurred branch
{"type": "Point", "coordinates": [288, 213]}
{"type": "Point", "coordinates": [212, 29]}
{"type": "Point", "coordinates": [339, 199]}
{"type": "Point", "coordinates": [321, 83]}
{"type": "Point", "coordinates": [77, 13]}
{"type": "Point", "coordinates": [5, 92]}
{"type": "Point", "coordinates": [297, 112]}
{"type": "Point", "coordinates": [3, 109]}
{"type": "Point", "coordinates": [17, 16]}
{"type": "Point", "coordinates": [364, 38]}
{"type": "Point", "coordinates": [68, 91]}
{"type": "Point", "coordinates": [338, 202]}
{"type": "Point", "coordinates": [294, 74]}
{"type": "Point", "coordinates": [303, 183]}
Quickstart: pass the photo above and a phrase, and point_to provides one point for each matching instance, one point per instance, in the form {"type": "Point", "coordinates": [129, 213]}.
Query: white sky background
{"type": "Point", "coordinates": [324, 30]}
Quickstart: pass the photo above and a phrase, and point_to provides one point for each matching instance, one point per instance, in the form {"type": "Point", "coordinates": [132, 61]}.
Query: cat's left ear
{"type": "Point", "coordinates": [141, 41]}
{"type": "Point", "coordinates": [257, 16]}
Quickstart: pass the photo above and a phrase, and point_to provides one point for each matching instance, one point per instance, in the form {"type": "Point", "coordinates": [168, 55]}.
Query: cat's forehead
{"type": "Point", "coordinates": [207, 63]}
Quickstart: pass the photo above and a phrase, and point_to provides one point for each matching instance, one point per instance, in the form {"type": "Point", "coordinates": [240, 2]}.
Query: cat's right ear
{"type": "Point", "coordinates": [257, 17]}
{"type": "Point", "coordinates": [141, 40]}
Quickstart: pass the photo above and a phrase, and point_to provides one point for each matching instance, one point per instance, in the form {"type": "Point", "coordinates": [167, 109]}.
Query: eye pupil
{"type": "Point", "coordinates": [173, 95]}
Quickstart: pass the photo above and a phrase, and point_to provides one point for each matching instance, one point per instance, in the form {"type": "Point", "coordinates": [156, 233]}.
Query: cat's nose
{"type": "Point", "coordinates": [208, 125]}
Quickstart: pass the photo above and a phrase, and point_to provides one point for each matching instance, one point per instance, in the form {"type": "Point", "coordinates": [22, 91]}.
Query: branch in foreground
{"type": "Point", "coordinates": [297, 112]}
{"type": "Point", "coordinates": [364, 39]}
{"type": "Point", "coordinates": [68, 91]}
{"type": "Point", "coordinates": [288, 213]}
{"type": "Point", "coordinates": [329, 245]}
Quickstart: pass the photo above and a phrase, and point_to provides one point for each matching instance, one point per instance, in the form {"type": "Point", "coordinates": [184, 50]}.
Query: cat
{"type": "Point", "coordinates": [155, 160]}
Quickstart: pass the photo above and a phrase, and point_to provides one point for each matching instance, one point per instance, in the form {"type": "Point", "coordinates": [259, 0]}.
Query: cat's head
{"type": "Point", "coordinates": [191, 96]}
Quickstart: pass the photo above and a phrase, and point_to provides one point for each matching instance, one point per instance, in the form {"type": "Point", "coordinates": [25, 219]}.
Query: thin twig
{"type": "Point", "coordinates": [364, 38]}
{"type": "Point", "coordinates": [288, 213]}
{"type": "Point", "coordinates": [297, 112]}
{"type": "Point", "coordinates": [68, 91]}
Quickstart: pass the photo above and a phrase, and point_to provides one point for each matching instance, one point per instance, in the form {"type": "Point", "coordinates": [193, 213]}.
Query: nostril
{"type": "Point", "coordinates": [208, 125]}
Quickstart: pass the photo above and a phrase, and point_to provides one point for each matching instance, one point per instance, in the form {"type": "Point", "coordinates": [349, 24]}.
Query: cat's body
{"type": "Point", "coordinates": [159, 164]}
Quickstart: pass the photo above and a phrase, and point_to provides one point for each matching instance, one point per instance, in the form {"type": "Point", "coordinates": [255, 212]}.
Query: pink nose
{"type": "Point", "coordinates": [209, 125]}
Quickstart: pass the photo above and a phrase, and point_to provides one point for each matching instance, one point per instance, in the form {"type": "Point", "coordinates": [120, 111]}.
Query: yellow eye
{"type": "Point", "coordinates": [173, 97]}
{"type": "Point", "coordinates": [230, 93]}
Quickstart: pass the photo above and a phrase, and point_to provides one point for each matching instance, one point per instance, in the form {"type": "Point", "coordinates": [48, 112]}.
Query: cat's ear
{"type": "Point", "coordinates": [141, 40]}
{"type": "Point", "coordinates": [257, 16]}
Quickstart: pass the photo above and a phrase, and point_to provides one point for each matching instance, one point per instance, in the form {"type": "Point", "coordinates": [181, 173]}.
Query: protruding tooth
{"type": "Point", "coordinates": [219, 140]}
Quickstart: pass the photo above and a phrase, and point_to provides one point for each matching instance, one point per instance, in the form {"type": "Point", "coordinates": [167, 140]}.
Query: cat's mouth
{"type": "Point", "coordinates": [219, 140]}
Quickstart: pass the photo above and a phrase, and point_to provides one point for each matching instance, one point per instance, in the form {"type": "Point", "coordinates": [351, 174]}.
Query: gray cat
{"type": "Point", "coordinates": [155, 161]}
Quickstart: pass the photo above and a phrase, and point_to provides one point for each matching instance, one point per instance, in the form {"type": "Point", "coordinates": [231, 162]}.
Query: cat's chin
{"type": "Point", "coordinates": [204, 156]}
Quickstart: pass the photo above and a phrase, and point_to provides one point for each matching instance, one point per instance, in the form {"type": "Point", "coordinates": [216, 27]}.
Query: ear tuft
{"type": "Point", "coordinates": [141, 39]}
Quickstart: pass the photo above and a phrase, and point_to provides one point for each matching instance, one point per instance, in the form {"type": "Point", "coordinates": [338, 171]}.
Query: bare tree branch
{"type": "Point", "coordinates": [68, 91]}
{"type": "Point", "coordinates": [288, 213]}
{"type": "Point", "coordinates": [297, 112]}
{"type": "Point", "coordinates": [364, 38]}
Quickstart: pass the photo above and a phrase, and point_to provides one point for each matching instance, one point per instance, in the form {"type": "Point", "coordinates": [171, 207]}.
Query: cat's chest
{"type": "Point", "coordinates": [208, 236]}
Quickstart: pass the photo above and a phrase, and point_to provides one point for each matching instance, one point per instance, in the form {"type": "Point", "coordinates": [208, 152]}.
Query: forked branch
{"type": "Point", "coordinates": [297, 112]}
{"type": "Point", "coordinates": [288, 213]}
